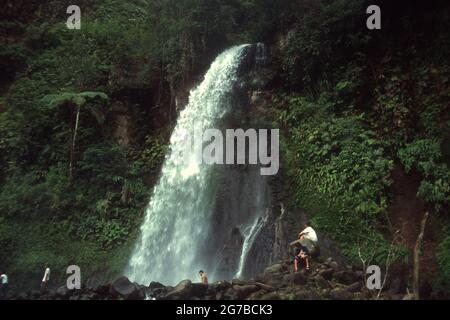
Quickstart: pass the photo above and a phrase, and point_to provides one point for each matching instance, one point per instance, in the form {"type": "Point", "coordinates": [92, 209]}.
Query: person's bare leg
{"type": "Point", "coordinates": [295, 265]}
{"type": "Point", "coordinates": [307, 263]}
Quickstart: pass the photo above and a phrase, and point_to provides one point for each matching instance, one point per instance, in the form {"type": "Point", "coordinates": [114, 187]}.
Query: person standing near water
{"type": "Point", "coordinates": [45, 279]}
{"type": "Point", "coordinates": [203, 277]}
{"type": "Point", "coordinates": [3, 285]}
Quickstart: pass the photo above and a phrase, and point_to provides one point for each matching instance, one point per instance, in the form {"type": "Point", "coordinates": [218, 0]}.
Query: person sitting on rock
{"type": "Point", "coordinates": [301, 257]}
{"type": "Point", "coordinates": [308, 237]}
{"type": "Point", "coordinates": [203, 277]}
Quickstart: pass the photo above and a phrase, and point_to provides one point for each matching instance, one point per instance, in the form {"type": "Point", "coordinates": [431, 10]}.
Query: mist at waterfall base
{"type": "Point", "coordinates": [196, 209]}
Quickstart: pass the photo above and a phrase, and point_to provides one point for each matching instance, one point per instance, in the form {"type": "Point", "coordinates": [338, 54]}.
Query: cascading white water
{"type": "Point", "coordinates": [178, 216]}
{"type": "Point", "coordinates": [249, 237]}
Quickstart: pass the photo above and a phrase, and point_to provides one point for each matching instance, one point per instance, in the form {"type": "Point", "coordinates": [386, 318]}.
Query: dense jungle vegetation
{"type": "Point", "coordinates": [354, 105]}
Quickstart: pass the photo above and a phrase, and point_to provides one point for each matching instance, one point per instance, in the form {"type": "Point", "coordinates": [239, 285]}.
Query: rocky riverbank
{"type": "Point", "coordinates": [326, 280]}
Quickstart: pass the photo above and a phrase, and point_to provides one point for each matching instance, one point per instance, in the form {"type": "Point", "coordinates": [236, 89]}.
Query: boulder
{"type": "Point", "coordinates": [296, 278]}
{"type": "Point", "coordinates": [334, 265]}
{"type": "Point", "coordinates": [199, 290]}
{"type": "Point", "coordinates": [241, 282]}
{"type": "Point", "coordinates": [228, 294]}
{"type": "Point", "coordinates": [321, 282]}
{"type": "Point", "coordinates": [157, 293]}
{"type": "Point", "coordinates": [355, 287]}
{"type": "Point", "coordinates": [327, 273]}
{"type": "Point", "coordinates": [22, 296]}
{"type": "Point", "coordinates": [305, 295]}
{"type": "Point", "coordinates": [122, 287]}
{"type": "Point", "coordinates": [182, 290]}
{"type": "Point", "coordinates": [272, 279]}
{"type": "Point", "coordinates": [346, 277]}
{"type": "Point", "coordinates": [34, 294]}
{"type": "Point", "coordinates": [276, 268]}
{"type": "Point", "coordinates": [397, 286]}
{"type": "Point", "coordinates": [156, 285]}
{"type": "Point", "coordinates": [341, 294]}
{"type": "Point", "coordinates": [63, 292]}
{"type": "Point", "coordinates": [92, 296]}
{"type": "Point", "coordinates": [242, 292]}
{"type": "Point", "coordinates": [265, 287]}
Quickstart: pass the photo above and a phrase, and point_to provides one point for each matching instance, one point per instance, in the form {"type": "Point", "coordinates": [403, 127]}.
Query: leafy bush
{"type": "Point", "coordinates": [425, 155]}
{"type": "Point", "coordinates": [340, 171]}
{"type": "Point", "coordinates": [443, 257]}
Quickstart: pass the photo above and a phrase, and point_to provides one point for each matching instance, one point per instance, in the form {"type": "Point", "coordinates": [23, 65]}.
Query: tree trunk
{"type": "Point", "coordinates": [416, 280]}
{"type": "Point", "coordinates": [72, 151]}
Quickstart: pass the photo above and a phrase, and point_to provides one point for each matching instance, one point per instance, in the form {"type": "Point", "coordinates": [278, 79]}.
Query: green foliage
{"type": "Point", "coordinates": [340, 171]}
{"type": "Point", "coordinates": [150, 157]}
{"type": "Point", "coordinates": [353, 106]}
{"type": "Point", "coordinates": [77, 99]}
{"type": "Point", "coordinates": [425, 155]}
{"type": "Point", "coordinates": [443, 257]}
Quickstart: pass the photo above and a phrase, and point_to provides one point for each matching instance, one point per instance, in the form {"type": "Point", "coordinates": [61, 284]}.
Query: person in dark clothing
{"type": "Point", "coordinates": [301, 257]}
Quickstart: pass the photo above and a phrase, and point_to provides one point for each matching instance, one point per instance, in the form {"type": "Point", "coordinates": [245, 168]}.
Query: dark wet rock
{"type": "Point", "coordinates": [182, 290]}
{"type": "Point", "coordinates": [296, 278]}
{"type": "Point", "coordinates": [341, 294]}
{"type": "Point", "coordinates": [272, 279]}
{"type": "Point", "coordinates": [321, 282]}
{"type": "Point", "coordinates": [334, 265]}
{"type": "Point", "coordinates": [156, 285]}
{"type": "Point", "coordinates": [34, 294]}
{"type": "Point", "coordinates": [63, 292]}
{"type": "Point", "coordinates": [102, 289]}
{"type": "Point", "coordinates": [230, 254]}
{"type": "Point", "coordinates": [346, 277]}
{"type": "Point", "coordinates": [122, 287]}
{"type": "Point", "coordinates": [271, 296]}
{"type": "Point", "coordinates": [22, 296]}
{"type": "Point", "coordinates": [355, 287]}
{"type": "Point", "coordinates": [276, 268]}
{"type": "Point", "coordinates": [305, 295]}
{"type": "Point", "coordinates": [199, 289]}
{"type": "Point", "coordinates": [242, 292]}
{"type": "Point", "coordinates": [327, 281]}
{"type": "Point", "coordinates": [241, 282]}
{"type": "Point", "coordinates": [359, 275]}
{"type": "Point", "coordinates": [327, 273]}
{"type": "Point", "coordinates": [397, 286]}
{"type": "Point", "coordinates": [264, 286]}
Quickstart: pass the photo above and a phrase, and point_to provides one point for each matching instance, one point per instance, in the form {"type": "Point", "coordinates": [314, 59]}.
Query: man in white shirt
{"type": "Point", "coordinates": [308, 237]}
{"type": "Point", "coordinates": [45, 279]}
{"type": "Point", "coordinates": [3, 285]}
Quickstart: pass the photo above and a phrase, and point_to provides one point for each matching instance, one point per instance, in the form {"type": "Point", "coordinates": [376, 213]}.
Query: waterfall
{"type": "Point", "coordinates": [249, 237]}
{"type": "Point", "coordinates": [177, 222]}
